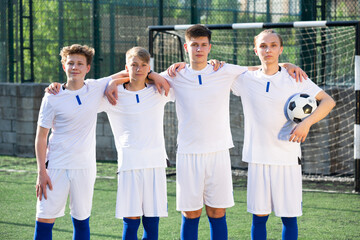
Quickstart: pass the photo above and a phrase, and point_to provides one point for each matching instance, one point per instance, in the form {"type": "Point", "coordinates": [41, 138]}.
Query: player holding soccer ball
{"type": "Point", "coordinates": [271, 142]}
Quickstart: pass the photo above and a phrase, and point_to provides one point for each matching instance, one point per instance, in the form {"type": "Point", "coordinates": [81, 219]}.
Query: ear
{"type": "Point", "coordinates": [255, 50]}
{"type": "Point", "coordinates": [126, 68]}
{"type": "Point", "coordinates": [281, 50]}
{"type": "Point", "coordinates": [63, 67]}
{"type": "Point", "coordinates": [185, 47]}
{"type": "Point", "coordinates": [209, 47]}
{"type": "Point", "coordinates": [88, 68]}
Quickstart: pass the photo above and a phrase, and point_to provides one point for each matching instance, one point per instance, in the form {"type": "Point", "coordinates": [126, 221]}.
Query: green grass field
{"type": "Point", "coordinates": [325, 215]}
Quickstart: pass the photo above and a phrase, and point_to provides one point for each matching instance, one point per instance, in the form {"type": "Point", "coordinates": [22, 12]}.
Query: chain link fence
{"type": "Point", "coordinates": [34, 31]}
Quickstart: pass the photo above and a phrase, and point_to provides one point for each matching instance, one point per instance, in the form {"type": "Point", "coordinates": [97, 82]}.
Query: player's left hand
{"type": "Point", "coordinates": [53, 88]}
{"type": "Point", "coordinates": [216, 64]}
{"type": "Point", "coordinates": [176, 67]}
{"type": "Point", "coordinates": [296, 72]}
{"type": "Point", "coordinates": [300, 132]}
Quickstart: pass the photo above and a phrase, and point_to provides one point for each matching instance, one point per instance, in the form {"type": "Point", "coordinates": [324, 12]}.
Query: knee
{"type": "Point", "coordinates": [215, 212]}
{"type": "Point", "coordinates": [192, 214]}
{"type": "Point", "coordinates": [45, 220]}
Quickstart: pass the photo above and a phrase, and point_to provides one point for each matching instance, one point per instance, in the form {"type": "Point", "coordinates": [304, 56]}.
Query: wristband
{"type": "Point", "coordinates": [149, 73]}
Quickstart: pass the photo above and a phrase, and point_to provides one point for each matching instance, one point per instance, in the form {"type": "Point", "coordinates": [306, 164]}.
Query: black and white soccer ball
{"type": "Point", "coordinates": [300, 106]}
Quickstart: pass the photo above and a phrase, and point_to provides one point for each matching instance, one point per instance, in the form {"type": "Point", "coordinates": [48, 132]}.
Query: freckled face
{"type": "Point", "coordinates": [76, 67]}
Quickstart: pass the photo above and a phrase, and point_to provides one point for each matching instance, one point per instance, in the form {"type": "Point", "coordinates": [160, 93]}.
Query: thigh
{"type": "Point", "coordinates": [258, 189]}
{"type": "Point", "coordinates": [190, 174]}
{"type": "Point", "coordinates": [218, 190]}
{"type": "Point", "coordinates": [130, 196]}
{"type": "Point", "coordinates": [54, 205]}
{"type": "Point", "coordinates": [286, 190]}
{"type": "Point", "coordinates": [155, 197]}
{"type": "Point", "coordinates": [81, 192]}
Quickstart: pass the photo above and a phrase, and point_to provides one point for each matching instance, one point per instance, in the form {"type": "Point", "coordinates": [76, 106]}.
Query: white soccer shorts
{"type": "Point", "coordinates": [274, 188]}
{"type": "Point", "coordinates": [203, 179]}
{"type": "Point", "coordinates": [78, 183]}
{"type": "Point", "coordinates": [142, 192]}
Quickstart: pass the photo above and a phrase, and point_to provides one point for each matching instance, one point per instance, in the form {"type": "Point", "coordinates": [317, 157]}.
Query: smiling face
{"type": "Point", "coordinates": [198, 49]}
{"type": "Point", "coordinates": [137, 68]}
{"type": "Point", "coordinates": [268, 48]}
{"type": "Point", "coordinates": [76, 67]}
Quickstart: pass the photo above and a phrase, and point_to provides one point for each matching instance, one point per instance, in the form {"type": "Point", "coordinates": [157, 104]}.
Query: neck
{"type": "Point", "coordinates": [135, 85]}
{"type": "Point", "coordinates": [270, 69]}
{"type": "Point", "coordinates": [198, 66]}
{"type": "Point", "coordinates": [74, 85]}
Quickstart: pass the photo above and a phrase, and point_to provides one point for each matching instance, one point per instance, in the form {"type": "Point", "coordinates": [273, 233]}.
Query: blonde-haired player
{"type": "Point", "coordinates": [137, 124]}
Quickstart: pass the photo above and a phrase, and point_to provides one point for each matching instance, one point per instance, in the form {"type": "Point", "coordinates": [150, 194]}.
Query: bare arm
{"type": "Point", "coordinates": [111, 91]}
{"type": "Point", "coordinates": [43, 178]}
{"type": "Point", "coordinates": [160, 82]}
{"type": "Point", "coordinates": [300, 132]}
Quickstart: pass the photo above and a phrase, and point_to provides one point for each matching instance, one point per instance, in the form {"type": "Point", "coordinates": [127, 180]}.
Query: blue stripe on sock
{"type": "Point", "coordinates": [78, 99]}
{"type": "Point", "coordinates": [200, 81]}
{"type": "Point", "coordinates": [267, 86]}
{"type": "Point", "coordinates": [137, 98]}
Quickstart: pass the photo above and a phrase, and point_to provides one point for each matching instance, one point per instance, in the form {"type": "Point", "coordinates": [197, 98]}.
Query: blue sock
{"type": "Point", "coordinates": [151, 228]}
{"type": "Point", "coordinates": [189, 228]}
{"type": "Point", "coordinates": [43, 231]}
{"type": "Point", "coordinates": [258, 228]}
{"type": "Point", "coordinates": [290, 228]}
{"type": "Point", "coordinates": [130, 228]}
{"type": "Point", "coordinates": [81, 229]}
{"type": "Point", "coordinates": [218, 228]}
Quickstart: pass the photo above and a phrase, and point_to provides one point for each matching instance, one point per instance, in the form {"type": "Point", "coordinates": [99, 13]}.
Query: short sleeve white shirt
{"type": "Point", "coordinates": [267, 130]}
{"type": "Point", "coordinates": [137, 124]}
{"type": "Point", "coordinates": [202, 107]}
{"type": "Point", "coordinates": [72, 117]}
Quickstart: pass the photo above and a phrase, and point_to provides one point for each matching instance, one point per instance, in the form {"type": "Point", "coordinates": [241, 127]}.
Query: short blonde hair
{"type": "Point", "coordinates": [84, 50]}
{"type": "Point", "coordinates": [139, 52]}
{"type": "Point", "coordinates": [269, 31]}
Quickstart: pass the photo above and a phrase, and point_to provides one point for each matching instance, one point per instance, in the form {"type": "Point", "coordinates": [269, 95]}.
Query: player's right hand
{"type": "Point", "coordinates": [176, 67]}
{"type": "Point", "coordinates": [42, 181]}
{"type": "Point", "coordinates": [111, 92]}
{"type": "Point", "coordinates": [53, 88]}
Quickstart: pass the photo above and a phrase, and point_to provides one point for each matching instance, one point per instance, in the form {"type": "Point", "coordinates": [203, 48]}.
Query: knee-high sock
{"type": "Point", "coordinates": [218, 228]}
{"type": "Point", "coordinates": [189, 228]}
{"type": "Point", "coordinates": [130, 228]}
{"type": "Point", "coordinates": [81, 229]}
{"type": "Point", "coordinates": [258, 228]}
{"type": "Point", "coordinates": [290, 228]}
{"type": "Point", "coordinates": [151, 228]}
{"type": "Point", "coordinates": [43, 231]}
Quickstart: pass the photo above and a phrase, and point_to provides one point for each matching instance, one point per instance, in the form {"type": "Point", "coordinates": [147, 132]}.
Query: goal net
{"type": "Point", "coordinates": [326, 53]}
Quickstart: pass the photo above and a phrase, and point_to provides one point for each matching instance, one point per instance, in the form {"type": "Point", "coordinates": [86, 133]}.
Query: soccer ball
{"type": "Point", "coordinates": [300, 106]}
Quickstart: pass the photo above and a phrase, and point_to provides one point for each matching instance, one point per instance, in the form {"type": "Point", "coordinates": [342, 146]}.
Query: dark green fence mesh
{"type": "Point", "coordinates": [33, 31]}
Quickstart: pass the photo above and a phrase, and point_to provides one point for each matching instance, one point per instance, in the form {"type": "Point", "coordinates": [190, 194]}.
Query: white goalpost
{"type": "Point", "coordinates": [329, 52]}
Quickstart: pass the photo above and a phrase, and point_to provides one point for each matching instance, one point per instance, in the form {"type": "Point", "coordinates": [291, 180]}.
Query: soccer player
{"type": "Point", "coordinates": [137, 125]}
{"type": "Point", "coordinates": [272, 142]}
{"type": "Point", "coordinates": [67, 164]}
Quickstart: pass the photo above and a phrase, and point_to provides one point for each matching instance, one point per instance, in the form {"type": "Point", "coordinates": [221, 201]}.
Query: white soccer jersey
{"type": "Point", "coordinates": [137, 124]}
{"type": "Point", "coordinates": [202, 107]}
{"type": "Point", "coordinates": [72, 117]}
{"type": "Point", "coordinates": [267, 130]}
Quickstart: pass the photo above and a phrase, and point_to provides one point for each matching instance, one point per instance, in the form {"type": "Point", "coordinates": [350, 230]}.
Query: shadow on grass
{"type": "Point", "coordinates": [55, 229]}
